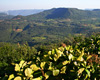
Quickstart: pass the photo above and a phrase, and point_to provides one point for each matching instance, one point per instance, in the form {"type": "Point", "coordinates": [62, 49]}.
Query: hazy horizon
{"type": "Point", "coordinates": [6, 5]}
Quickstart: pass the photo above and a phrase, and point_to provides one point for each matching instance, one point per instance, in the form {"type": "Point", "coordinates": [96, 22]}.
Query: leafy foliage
{"type": "Point", "coordinates": [68, 63]}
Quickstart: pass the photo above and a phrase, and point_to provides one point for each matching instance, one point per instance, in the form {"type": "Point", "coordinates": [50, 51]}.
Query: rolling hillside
{"type": "Point", "coordinates": [50, 25]}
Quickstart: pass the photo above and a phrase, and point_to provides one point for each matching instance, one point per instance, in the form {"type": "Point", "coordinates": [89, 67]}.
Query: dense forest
{"type": "Point", "coordinates": [57, 44]}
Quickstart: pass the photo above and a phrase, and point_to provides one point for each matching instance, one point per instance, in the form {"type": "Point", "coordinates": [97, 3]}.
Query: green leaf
{"type": "Point", "coordinates": [55, 72]}
{"type": "Point", "coordinates": [88, 72]}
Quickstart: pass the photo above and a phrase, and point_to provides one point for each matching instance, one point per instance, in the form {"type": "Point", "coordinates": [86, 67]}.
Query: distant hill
{"type": "Point", "coordinates": [11, 13]}
{"type": "Point", "coordinates": [4, 16]}
{"type": "Point", "coordinates": [24, 12]}
{"type": "Point", "coordinates": [63, 13]}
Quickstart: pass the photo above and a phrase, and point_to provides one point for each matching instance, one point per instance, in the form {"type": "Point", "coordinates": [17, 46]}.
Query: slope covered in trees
{"type": "Point", "coordinates": [50, 25]}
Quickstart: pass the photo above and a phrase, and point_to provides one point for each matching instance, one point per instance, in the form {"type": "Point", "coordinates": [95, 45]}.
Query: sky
{"type": "Point", "coordinates": [48, 4]}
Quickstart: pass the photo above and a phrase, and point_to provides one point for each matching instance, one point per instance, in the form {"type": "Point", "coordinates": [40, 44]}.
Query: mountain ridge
{"type": "Point", "coordinates": [62, 13]}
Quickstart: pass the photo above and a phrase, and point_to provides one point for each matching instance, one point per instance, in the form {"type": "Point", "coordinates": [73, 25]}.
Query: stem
{"type": "Point", "coordinates": [43, 73]}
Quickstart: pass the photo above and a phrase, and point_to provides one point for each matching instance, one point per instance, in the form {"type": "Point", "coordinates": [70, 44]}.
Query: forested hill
{"type": "Point", "coordinates": [63, 13]}
{"type": "Point", "coordinates": [50, 26]}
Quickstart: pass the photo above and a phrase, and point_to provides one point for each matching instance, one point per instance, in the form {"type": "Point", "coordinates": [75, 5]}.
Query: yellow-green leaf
{"type": "Point", "coordinates": [21, 63]}
{"type": "Point", "coordinates": [80, 70]}
{"type": "Point", "coordinates": [53, 51]}
{"type": "Point", "coordinates": [38, 78]}
{"type": "Point", "coordinates": [70, 56]}
{"type": "Point", "coordinates": [63, 70]}
{"type": "Point", "coordinates": [88, 72]}
{"type": "Point", "coordinates": [47, 74]}
{"type": "Point", "coordinates": [29, 62]}
{"type": "Point", "coordinates": [55, 72]}
{"type": "Point", "coordinates": [89, 57]}
{"type": "Point", "coordinates": [80, 58]}
{"type": "Point", "coordinates": [42, 65]}
{"type": "Point", "coordinates": [50, 66]}
{"type": "Point", "coordinates": [34, 67]}
{"type": "Point", "coordinates": [59, 53]}
{"type": "Point", "coordinates": [49, 53]}
{"type": "Point", "coordinates": [61, 49]}
{"type": "Point", "coordinates": [11, 77]}
{"type": "Point", "coordinates": [17, 78]}
{"type": "Point", "coordinates": [65, 62]}
{"type": "Point", "coordinates": [28, 72]}
{"type": "Point", "coordinates": [17, 67]}
{"type": "Point", "coordinates": [45, 56]}
{"type": "Point", "coordinates": [55, 57]}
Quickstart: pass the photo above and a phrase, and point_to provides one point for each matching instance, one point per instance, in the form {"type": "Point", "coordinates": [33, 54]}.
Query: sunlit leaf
{"type": "Point", "coordinates": [65, 62]}
{"type": "Point", "coordinates": [29, 62]}
{"type": "Point", "coordinates": [42, 65]}
{"type": "Point", "coordinates": [17, 67]}
{"type": "Point", "coordinates": [88, 72]}
{"type": "Point", "coordinates": [55, 72]}
{"type": "Point", "coordinates": [11, 77]}
{"type": "Point", "coordinates": [89, 57]}
{"type": "Point", "coordinates": [50, 66]}
{"type": "Point", "coordinates": [61, 49]}
{"type": "Point", "coordinates": [21, 63]}
{"type": "Point", "coordinates": [53, 51]}
{"type": "Point", "coordinates": [55, 57]}
{"type": "Point", "coordinates": [70, 56]}
{"type": "Point", "coordinates": [45, 56]}
{"type": "Point", "coordinates": [49, 53]}
{"type": "Point", "coordinates": [24, 64]}
{"type": "Point", "coordinates": [80, 58]}
{"type": "Point", "coordinates": [59, 53]}
{"type": "Point", "coordinates": [38, 78]}
{"type": "Point", "coordinates": [34, 67]}
{"type": "Point", "coordinates": [63, 70]}
{"type": "Point", "coordinates": [80, 70]}
{"type": "Point", "coordinates": [17, 78]}
{"type": "Point", "coordinates": [38, 58]}
{"type": "Point", "coordinates": [47, 74]}
{"type": "Point", "coordinates": [28, 72]}
{"type": "Point", "coordinates": [75, 63]}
